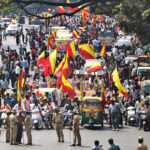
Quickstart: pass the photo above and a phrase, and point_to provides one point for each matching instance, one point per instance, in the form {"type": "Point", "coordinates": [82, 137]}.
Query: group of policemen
{"type": "Point", "coordinates": [14, 127]}
{"type": "Point", "coordinates": [58, 121]}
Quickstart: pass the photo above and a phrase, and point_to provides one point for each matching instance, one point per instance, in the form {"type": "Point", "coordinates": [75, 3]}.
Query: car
{"type": "Point", "coordinates": [145, 86]}
{"type": "Point", "coordinates": [107, 37]}
{"type": "Point", "coordinates": [12, 29]}
{"type": "Point", "coordinates": [4, 21]}
{"type": "Point", "coordinates": [131, 59]}
{"type": "Point", "coordinates": [143, 61]}
{"type": "Point", "coordinates": [143, 72]}
{"type": "Point", "coordinates": [125, 41]}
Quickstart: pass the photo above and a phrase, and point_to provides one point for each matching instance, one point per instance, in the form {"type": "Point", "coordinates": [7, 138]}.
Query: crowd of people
{"type": "Point", "coordinates": [30, 45]}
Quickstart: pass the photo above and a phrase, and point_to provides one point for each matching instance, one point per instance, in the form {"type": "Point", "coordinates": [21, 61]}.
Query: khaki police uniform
{"type": "Point", "coordinates": [142, 147]}
{"type": "Point", "coordinates": [58, 124]}
{"type": "Point", "coordinates": [13, 129]}
{"type": "Point", "coordinates": [76, 129]}
{"type": "Point", "coordinates": [28, 127]}
{"type": "Point", "coordinates": [7, 129]}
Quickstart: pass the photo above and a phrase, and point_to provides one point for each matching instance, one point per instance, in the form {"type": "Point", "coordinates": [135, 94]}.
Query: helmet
{"type": "Point", "coordinates": [75, 111]}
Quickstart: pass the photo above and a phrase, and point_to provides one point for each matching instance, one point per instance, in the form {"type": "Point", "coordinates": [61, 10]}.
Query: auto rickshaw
{"type": "Point", "coordinates": [92, 111]}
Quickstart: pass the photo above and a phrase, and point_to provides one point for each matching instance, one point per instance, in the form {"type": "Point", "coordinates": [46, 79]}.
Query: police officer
{"type": "Point", "coordinates": [13, 127]}
{"type": "Point", "coordinates": [76, 129]}
{"type": "Point", "coordinates": [58, 122]}
{"type": "Point", "coordinates": [7, 126]}
{"type": "Point", "coordinates": [28, 127]}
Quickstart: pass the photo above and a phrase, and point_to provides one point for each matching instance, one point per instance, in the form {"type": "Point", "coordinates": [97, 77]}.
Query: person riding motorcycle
{"type": "Point", "coordinates": [68, 108]}
{"type": "Point", "coordinates": [5, 106]}
{"type": "Point", "coordinates": [145, 109]}
{"type": "Point", "coordinates": [38, 107]}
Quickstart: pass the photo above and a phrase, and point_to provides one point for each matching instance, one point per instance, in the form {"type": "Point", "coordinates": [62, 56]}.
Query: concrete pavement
{"type": "Point", "coordinates": [47, 139]}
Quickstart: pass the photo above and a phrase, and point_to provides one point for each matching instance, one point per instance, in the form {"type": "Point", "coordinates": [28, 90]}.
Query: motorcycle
{"type": "Point", "coordinates": [131, 115]}
{"type": "Point", "coordinates": [36, 119]}
{"type": "Point", "coordinates": [68, 118]}
{"type": "Point", "coordinates": [4, 116]}
{"type": "Point", "coordinates": [145, 117]}
{"type": "Point", "coordinates": [47, 117]}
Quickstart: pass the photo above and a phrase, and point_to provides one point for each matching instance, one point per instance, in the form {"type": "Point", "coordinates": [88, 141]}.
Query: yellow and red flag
{"type": "Point", "coordinates": [14, 21]}
{"type": "Point", "coordinates": [54, 35]}
{"type": "Point", "coordinates": [42, 94]}
{"type": "Point", "coordinates": [61, 9]}
{"type": "Point", "coordinates": [50, 83]}
{"type": "Point", "coordinates": [41, 59]}
{"type": "Point", "coordinates": [95, 68]}
{"type": "Point", "coordinates": [65, 70]}
{"type": "Point", "coordinates": [60, 66]}
{"type": "Point", "coordinates": [86, 51]}
{"type": "Point", "coordinates": [67, 88]}
{"type": "Point", "coordinates": [81, 29]}
{"type": "Point", "coordinates": [100, 17]}
{"type": "Point", "coordinates": [49, 42]}
{"type": "Point", "coordinates": [71, 49]}
{"type": "Point", "coordinates": [118, 84]}
{"type": "Point", "coordinates": [18, 91]}
{"type": "Point", "coordinates": [148, 54]}
{"type": "Point", "coordinates": [21, 79]}
{"type": "Point", "coordinates": [49, 63]}
{"type": "Point", "coordinates": [103, 51]}
{"type": "Point", "coordinates": [74, 33]}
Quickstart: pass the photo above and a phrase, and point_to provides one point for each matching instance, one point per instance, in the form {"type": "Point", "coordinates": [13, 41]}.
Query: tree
{"type": "Point", "coordinates": [133, 16]}
{"type": "Point", "coordinates": [25, 4]}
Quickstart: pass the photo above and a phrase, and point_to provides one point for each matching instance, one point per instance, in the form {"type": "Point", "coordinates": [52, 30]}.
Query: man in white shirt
{"type": "Point", "coordinates": [139, 51]}
{"type": "Point", "coordinates": [138, 107]}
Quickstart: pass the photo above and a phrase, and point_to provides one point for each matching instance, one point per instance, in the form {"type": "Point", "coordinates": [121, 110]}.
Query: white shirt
{"type": "Point", "coordinates": [139, 51]}
{"type": "Point", "coordinates": [17, 107]}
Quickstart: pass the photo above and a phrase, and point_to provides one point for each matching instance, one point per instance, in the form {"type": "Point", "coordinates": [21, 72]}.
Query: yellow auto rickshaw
{"type": "Point", "coordinates": [92, 111]}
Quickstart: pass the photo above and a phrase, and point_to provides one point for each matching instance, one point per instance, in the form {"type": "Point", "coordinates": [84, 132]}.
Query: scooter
{"type": "Point", "coordinates": [131, 115]}
{"type": "Point", "coordinates": [36, 119]}
{"type": "Point", "coordinates": [4, 116]}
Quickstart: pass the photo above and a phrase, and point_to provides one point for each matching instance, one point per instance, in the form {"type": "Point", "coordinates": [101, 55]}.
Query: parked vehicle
{"type": "Point", "coordinates": [68, 118]}
{"type": "Point", "coordinates": [145, 87]}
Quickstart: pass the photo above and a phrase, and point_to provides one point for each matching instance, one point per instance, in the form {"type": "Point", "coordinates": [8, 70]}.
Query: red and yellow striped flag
{"type": "Point", "coordinates": [49, 63]}
{"type": "Point", "coordinates": [86, 51]}
{"type": "Point", "coordinates": [103, 51]}
{"type": "Point", "coordinates": [74, 33]}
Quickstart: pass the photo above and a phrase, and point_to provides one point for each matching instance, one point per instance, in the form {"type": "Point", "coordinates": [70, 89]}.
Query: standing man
{"type": "Point", "coordinates": [28, 127]}
{"type": "Point", "coordinates": [76, 128]}
{"type": "Point", "coordinates": [13, 127]}
{"type": "Point", "coordinates": [8, 127]}
{"type": "Point", "coordinates": [112, 145]}
{"type": "Point", "coordinates": [114, 113]}
{"type": "Point", "coordinates": [141, 146]}
{"type": "Point", "coordinates": [20, 120]}
{"type": "Point", "coordinates": [58, 122]}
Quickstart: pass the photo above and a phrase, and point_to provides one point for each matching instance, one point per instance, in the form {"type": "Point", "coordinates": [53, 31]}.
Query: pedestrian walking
{"type": "Point", "coordinates": [112, 145]}
{"type": "Point", "coordinates": [58, 122]}
{"type": "Point", "coordinates": [13, 127]}
{"type": "Point", "coordinates": [97, 146]}
{"type": "Point", "coordinates": [141, 146]}
{"type": "Point", "coordinates": [76, 128]}
{"type": "Point", "coordinates": [28, 127]}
